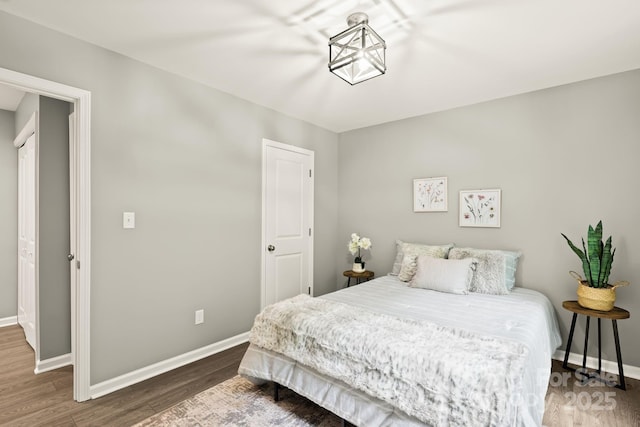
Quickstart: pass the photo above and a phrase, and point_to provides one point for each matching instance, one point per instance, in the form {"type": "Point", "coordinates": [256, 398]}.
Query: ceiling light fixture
{"type": "Point", "coordinates": [358, 53]}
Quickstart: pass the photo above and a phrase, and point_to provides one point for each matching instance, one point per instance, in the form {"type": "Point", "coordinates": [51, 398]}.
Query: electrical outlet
{"type": "Point", "coordinates": [199, 317]}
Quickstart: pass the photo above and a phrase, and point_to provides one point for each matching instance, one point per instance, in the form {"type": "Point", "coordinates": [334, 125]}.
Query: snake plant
{"type": "Point", "coordinates": [596, 256]}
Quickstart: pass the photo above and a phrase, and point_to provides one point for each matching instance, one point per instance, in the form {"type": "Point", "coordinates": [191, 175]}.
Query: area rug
{"type": "Point", "coordinates": [238, 402]}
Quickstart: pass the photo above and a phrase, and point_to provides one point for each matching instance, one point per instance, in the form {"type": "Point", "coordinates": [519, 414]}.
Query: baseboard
{"type": "Point", "coordinates": [592, 363]}
{"type": "Point", "coordinates": [53, 363]}
{"type": "Point", "coordinates": [117, 383]}
{"type": "Point", "coordinates": [8, 321]}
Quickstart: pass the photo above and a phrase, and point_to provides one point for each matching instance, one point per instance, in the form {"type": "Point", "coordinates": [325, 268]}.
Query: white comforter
{"type": "Point", "coordinates": [524, 316]}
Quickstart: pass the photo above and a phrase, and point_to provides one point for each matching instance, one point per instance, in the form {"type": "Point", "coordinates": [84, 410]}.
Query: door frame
{"type": "Point", "coordinates": [81, 148]}
{"type": "Point", "coordinates": [263, 258]}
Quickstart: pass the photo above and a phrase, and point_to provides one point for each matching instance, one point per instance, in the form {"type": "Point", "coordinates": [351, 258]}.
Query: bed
{"type": "Point", "coordinates": [384, 353]}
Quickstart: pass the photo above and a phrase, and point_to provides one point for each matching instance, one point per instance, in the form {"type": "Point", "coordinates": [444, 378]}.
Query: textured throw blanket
{"type": "Point", "coordinates": [440, 375]}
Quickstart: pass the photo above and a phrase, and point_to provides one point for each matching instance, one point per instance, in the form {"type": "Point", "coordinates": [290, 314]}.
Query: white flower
{"type": "Point", "coordinates": [365, 243]}
{"type": "Point", "coordinates": [353, 247]}
{"type": "Point", "coordinates": [356, 243]}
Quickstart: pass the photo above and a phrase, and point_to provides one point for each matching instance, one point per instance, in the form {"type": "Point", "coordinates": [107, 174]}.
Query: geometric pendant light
{"type": "Point", "coordinates": [358, 53]}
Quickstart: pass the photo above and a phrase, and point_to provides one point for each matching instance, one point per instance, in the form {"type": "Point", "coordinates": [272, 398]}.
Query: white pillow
{"type": "Point", "coordinates": [402, 248]}
{"type": "Point", "coordinates": [444, 275]}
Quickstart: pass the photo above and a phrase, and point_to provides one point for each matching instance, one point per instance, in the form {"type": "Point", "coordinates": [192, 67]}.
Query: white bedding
{"type": "Point", "coordinates": [524, 316]}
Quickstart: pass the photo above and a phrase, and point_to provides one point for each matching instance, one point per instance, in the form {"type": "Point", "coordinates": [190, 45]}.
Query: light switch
{"type": "Point", "coordinates": [128, 220]}
{"type": "Point", "coordinates": [199, 316]}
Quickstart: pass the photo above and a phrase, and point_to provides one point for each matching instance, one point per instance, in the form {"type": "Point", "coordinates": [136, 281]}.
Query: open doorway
{"type": "Point", "coordinates": [43, 228]}
{"type": "Point", "coordinates": [80, 193]}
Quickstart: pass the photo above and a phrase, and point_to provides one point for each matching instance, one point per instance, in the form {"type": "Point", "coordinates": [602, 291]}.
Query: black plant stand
{"type": "Point", "coordinates": [615, 314]}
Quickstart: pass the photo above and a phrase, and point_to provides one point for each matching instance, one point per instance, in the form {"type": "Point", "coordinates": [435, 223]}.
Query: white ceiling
{"type": "Point", "coordinates": [440, 53]}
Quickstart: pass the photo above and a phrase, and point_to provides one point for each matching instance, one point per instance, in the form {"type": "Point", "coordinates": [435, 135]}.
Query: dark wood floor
{"type": "Point", "coordinates": [571, 402]}
{"type": "Point", "coordinates": [46, 399]}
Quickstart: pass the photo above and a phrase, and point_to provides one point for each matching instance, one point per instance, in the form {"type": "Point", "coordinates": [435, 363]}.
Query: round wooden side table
{"type": "Point", "coordinates": [365, 276]}
{"type": "Point", "coordinates": [615, 314]}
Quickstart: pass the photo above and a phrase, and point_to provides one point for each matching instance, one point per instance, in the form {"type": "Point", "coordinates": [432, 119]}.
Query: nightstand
{"type": "Point", "coordinates": [365, 276]}
{"type": "Point", "coordinates": [614, 315]}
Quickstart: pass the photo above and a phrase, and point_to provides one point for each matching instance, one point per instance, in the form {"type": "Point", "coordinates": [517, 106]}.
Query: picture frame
{"type": "Point", "coordinates": [480, 208]}
{"type": "Point", "coordinates": [430, 194]}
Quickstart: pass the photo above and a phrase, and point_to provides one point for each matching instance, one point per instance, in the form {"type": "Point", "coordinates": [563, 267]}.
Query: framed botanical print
{"type": "Point", "coordinates": [430, 194]}
{"type": "Point", "coordinates": [480, 208]}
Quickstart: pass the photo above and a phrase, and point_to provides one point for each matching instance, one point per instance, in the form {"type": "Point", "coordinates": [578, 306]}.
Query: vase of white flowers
{"type": "Point", "coordinates": [355, 245]}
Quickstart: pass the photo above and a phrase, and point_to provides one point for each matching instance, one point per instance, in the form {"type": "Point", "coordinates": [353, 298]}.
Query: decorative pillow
{"type": "Point", "coordinates": [495, 272]}
{"type": "Point", "coordinates": [408, 267]}
{"type": "Point", "coordinates": [439, 251]}
{"type": "Point", "coordinates": [445, 275]}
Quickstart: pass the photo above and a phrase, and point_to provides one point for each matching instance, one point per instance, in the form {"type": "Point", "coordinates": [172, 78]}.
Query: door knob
{"type": "Point", "coordinates": [271, 248]}
{"type": "Point", "coordinates": [70, 257]}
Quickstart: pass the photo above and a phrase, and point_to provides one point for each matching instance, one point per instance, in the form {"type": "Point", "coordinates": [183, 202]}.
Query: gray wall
{"type": "Point", "coordinates": [8, 217]}
{"type": "Point", "coordinates": [564, 158]}
{"type": "Point", "coordinates": [54, 291]}
{"type": "Point", "coordinates": [187, 160]}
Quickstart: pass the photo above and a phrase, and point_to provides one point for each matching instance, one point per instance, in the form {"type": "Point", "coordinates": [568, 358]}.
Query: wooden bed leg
{"type": "Point", "coordinates": [276, 389]}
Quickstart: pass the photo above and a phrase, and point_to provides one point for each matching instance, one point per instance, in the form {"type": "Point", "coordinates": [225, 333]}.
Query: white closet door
{"type": "Point", "coordinates": [27, 239]}
{"type": "Point", "coordinates": [288, 219]}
